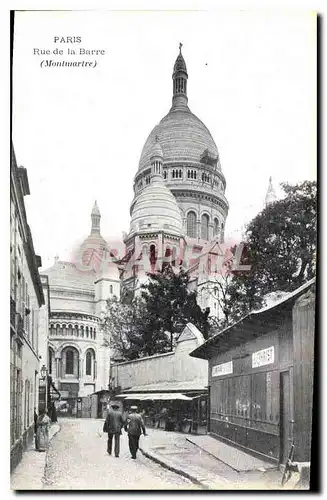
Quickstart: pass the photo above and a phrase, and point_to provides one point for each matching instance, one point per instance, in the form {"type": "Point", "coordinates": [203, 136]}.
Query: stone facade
{"type": "Point", "coordinates": [78, 356]}
{"type": "Point", "coordinates": [26, 298]}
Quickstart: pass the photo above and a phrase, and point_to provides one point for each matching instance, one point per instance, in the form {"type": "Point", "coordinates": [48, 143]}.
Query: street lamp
{"type": "Point", "coordinates": [44, 376]}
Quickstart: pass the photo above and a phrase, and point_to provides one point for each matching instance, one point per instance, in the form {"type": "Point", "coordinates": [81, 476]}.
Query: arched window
{"type": "Point", "coordinates": [180, 174]}
{"type": "Point", "coordinates": [191, 224]}
{"type": "Point", "coordinates": [111, 289]}
{"type": "Point", "coordinates": [165, 174]}
{"type": "Point", "coordinates": [216, 227]}
{"type": "Point", "coordinates": [205, 227]}
{"type": "Point", "coordinates": [76, 331]}
{"type": "Point", "coordinates": [194, 174]}
{"type": "Point", "coordinates": [69, 362]}
{"type": "Point", "coordinates": [88, 369]}
{"type": "Point", "coordinates": [87, 332]}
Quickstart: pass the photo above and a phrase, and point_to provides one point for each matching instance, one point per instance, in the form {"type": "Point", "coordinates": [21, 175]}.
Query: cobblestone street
{"type": "Point", "coordinates": [77, 460]}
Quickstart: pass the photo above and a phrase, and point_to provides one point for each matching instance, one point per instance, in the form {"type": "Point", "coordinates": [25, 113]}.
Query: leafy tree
{"type": "Point", "coordinates": [145, 326]}
{"type": "Point", "coordinates": [170, 303]}
{"type": "Point", "coordinates": [281, 246]}
{"type": "Point", "coordinates": [130, 332]}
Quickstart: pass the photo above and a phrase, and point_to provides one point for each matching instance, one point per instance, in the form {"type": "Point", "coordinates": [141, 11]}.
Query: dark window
{"type": "Point", "coordinates": [70, 362]}
{"type": "Point", "coordinates": [191, 225]}
{"type": "Point", "coordinates": [88, 363]}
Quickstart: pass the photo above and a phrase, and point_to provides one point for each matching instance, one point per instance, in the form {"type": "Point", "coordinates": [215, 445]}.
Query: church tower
{"type": "Point", "coordinates": [271, 195]}
{"type": "Point", "coordinates": [190, 165]}
{"type": "Point", "coordinates": [180, 77]}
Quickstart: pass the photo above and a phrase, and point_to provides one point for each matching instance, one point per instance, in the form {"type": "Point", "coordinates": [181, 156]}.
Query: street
{"type": "Point", "coordinates": [78, 460]}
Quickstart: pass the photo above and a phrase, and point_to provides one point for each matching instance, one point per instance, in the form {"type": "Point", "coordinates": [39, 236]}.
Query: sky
{"type": "Point", "coordinates": [80, 131]}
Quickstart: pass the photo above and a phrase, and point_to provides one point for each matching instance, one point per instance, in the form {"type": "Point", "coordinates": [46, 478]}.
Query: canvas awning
{"type": "Point", "coordinates": [156, 397]}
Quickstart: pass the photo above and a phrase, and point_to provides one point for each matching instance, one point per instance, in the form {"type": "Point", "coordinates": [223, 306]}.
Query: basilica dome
{"type": "Point", "coordinates": [156, 208]}
{"type": "Point", "coordinates": [182, 136]}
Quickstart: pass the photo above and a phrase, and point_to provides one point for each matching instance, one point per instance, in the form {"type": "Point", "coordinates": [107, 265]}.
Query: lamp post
{"type": "Point", "coordinates": [44, 376]}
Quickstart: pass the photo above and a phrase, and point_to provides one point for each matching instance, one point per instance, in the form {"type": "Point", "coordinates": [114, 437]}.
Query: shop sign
{"type": "Point", "coordinates": [264, 357]}
{"type": "Point", "coordinates": [223, 369]}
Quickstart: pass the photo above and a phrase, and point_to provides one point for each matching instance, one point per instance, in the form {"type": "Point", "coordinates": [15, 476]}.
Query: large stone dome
{"type": "Point", "coordinates": [156, 208]}
{"type": "Point", "coordinates": [182, 136]}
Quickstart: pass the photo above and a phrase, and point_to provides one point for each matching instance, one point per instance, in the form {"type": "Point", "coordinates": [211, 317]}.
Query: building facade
{"type": "Point", "coordinates": [26, 299]}
{"type": "Point", "coordinates": [78, 355]}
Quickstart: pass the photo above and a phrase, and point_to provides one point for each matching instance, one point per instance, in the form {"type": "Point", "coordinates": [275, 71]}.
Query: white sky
{"type": "Point", "coordinates": [80, 131]}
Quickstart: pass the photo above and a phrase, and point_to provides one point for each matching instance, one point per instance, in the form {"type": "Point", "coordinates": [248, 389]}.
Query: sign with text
{"type": "Point", "coordinates": [223, 369]}
{"type": "Point", "coordinates": [263, 357]}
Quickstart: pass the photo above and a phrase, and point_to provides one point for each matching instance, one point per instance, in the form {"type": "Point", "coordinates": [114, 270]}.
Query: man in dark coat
{"type": "Point", "coordinates": [113, 426]}
{"type": "Point", "coordinates": [134, 426]}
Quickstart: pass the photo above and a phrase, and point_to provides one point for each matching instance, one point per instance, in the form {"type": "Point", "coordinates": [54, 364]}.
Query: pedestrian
{"type": "Point", "coordinates": [134, 427]}
{"type": "Point", "coordinates": [42, 431]}
{"type": "Point", "coordinates": [35, 430]}
{"type": "Point", "coordinates": [113, 426]}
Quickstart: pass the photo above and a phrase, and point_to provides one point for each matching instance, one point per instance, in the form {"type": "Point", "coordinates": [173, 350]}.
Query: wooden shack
{"type": "Point", "coordinates": [261, 378]}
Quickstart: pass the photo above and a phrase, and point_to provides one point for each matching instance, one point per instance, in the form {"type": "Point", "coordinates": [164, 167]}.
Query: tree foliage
{"type": "Point", "coordinates": [147, 325]}
{"type": "Point", "coordinates": [281, 246]}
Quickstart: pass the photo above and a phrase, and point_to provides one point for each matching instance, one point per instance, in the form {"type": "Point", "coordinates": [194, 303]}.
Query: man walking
{"type": "Point", "coordinates": [113, 426]}
{"type": "Point", "coordinates": [134, 427]}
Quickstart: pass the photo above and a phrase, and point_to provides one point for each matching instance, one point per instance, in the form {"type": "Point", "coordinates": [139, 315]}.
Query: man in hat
{"type": "Point", "coordinates": [134, 427]}
{"type": "Point", "coordinates": [113, 426]}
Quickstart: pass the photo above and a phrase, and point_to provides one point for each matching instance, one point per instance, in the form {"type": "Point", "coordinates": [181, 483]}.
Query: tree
{"type": "Point", "coordinates": [145, 326]}
{"type": "Point", "coordinates": [170, 304]}
{"type": "Point", "coordinates": [281, 246]}
{"type": "Point", "coordinates": [130, 331]}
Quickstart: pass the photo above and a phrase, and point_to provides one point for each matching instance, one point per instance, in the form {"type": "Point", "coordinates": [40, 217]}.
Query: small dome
{"type": "Point", "coordinates": [69, 275]}
{"type": "Point", "coordinates": [156, 208]}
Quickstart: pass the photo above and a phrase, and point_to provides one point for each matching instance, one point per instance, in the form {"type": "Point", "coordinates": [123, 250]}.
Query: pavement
{"type": "Point", "coordinates": [77, 460]}
{"type": "Point", "coordinates": [29, 473]}
{"type": "Point", "coordinates": [210, 463]}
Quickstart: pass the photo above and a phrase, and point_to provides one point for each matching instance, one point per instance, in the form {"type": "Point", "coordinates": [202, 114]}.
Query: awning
{"type": "Point", "coordinates": [156, 397]}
